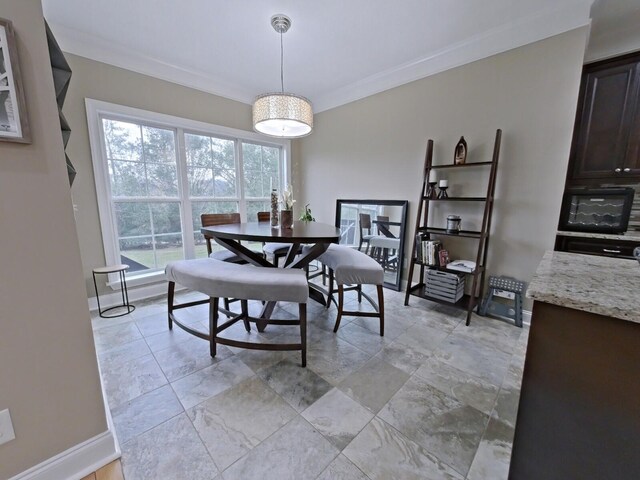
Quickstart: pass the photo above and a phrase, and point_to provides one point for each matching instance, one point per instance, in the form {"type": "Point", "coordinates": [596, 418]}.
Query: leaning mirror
{"type": "Point", "coordinates": [377, 228]}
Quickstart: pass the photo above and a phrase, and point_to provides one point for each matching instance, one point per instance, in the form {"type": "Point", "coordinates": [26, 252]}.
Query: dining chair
{"type": "Point", "coordinates": [351, 269]}
{"type": "Point", "coordinates": [212, 220]}
{"type": "Point", "coordinates": [364, 223]}
{"type": "Point", "coordinates": [384, 245]}
{"type": "Point", "coordinates": [273, 249]}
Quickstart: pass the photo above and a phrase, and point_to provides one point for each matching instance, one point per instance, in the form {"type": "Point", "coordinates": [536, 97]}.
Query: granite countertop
{"type": "Point", "coordinates": [602, 285]}
{"type": "Point", "coordinates": [630, 235]}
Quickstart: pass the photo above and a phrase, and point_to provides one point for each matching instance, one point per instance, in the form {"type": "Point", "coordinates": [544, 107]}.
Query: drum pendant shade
{"type": "Point", "coordinates": [283, 115]}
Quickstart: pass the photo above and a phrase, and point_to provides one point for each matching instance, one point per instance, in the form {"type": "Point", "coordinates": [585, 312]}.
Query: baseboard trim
{"type": "Point", "coordinates": [135, 294]}
{"type": "Point", "coordinates": [526, 314]}
{"type": "Point", "coordinates": [76, 462]}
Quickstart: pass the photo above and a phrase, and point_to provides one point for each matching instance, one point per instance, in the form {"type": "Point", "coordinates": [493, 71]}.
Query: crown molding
{"type": "Point", "coordinates": [544, 24]}
{"type": "Point", "coordinates": [85, 45]}
{"type": "Point", "coordinates": [624, 38]}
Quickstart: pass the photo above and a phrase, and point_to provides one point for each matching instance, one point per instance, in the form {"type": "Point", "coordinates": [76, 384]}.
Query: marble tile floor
{"type": "Point", "coordinates": [433, 399]}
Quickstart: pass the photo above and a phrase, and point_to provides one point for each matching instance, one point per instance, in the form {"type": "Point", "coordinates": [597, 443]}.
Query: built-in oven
{"type": "Point", "coordinates": [601, 210]}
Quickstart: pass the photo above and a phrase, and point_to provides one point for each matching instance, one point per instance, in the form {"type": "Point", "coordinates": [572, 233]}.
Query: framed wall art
{"type": "Point", "coordinates": [13, 114]}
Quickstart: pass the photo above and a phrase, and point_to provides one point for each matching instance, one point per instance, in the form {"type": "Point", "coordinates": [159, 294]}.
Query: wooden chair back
{"type": "Point", "coordinates": [264, 216]}
{"type": "Point", "coordinates": [213, 219]}
{"type": "Point", "coordinates": [364, 222]}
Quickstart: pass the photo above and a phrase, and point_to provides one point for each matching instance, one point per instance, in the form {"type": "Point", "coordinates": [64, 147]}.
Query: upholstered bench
{"type": "Point", "coordinates": [219, 279]}
{"type": "Point", "coordinates": [348, 266]}
{"type": "Point", "coordinates": [384, 250]}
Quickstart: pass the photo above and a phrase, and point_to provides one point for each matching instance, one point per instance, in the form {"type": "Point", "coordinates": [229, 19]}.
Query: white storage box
{"type": "Point", "coordinates": [445, 286]}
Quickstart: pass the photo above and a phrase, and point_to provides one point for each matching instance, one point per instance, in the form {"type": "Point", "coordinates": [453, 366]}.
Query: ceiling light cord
{"type": "Point", "coordinates": [281, 64]}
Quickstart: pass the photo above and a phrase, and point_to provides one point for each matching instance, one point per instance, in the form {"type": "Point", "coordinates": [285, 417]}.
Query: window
{"type": "Point", "coordinates": [156, 174]}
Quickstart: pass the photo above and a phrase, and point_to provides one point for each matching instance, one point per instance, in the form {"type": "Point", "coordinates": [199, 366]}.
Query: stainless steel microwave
{"type": "Point", "coordinates": [601, 210]}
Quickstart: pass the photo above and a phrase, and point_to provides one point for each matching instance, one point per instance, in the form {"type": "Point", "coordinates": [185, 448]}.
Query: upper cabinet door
{"type": "Point", "coordinates": [605, 117]}
{"type": "Point", "coordinates": [632, 161]}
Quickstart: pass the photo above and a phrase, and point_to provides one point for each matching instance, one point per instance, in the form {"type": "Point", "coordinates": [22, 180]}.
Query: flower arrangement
{"type": "Point", "coordinates": [287, 198]}
{"type": "Point", "coordinates": [306, 215]}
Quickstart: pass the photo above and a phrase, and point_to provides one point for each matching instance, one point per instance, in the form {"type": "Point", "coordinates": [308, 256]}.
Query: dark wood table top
{"type": "Point", "coordinates": [302, 232]}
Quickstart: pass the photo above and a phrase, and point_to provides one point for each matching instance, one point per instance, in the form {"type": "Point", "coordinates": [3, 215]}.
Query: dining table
{"type": "Point", "coordinates": [314, 236]}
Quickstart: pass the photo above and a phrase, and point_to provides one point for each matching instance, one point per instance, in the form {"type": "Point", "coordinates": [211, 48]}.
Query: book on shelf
{"type": "Point", "coordinates": [428, 251]}
{"type": "Point", "coordinates": [443, 257]}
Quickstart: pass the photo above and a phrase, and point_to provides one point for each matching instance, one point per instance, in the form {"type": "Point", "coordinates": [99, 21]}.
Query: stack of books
{"type": "Point", "coordinates": [428, 251]}
{"type": "Point", "coordinates": [447, 286]}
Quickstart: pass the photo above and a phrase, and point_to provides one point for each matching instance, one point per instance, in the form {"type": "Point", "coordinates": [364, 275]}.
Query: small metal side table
{"type": "Point", "coordinates": [120, 270]}
{"type": "Point", "coordinates": [504, 287]}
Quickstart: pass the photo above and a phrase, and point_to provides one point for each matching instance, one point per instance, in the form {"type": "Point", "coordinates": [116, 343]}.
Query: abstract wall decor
{"type": "Point", "coordinates": [14, 126]}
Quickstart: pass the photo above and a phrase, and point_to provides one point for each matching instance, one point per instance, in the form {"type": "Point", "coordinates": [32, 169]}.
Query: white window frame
{"type": "Point", "coordinates": [97, 110]}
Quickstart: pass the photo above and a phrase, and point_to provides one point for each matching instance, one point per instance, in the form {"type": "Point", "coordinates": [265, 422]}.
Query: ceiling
{"type": "Point", "coordinates": [336, 51]}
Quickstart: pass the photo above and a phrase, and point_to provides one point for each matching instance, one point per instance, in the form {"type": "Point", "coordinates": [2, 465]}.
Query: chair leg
{"type": "Point", "coordinates": [170, 292]}
{"type": "Point", "coordinates": [302, 312]}
{"type": "Point", "coordinates": [213, 324]}
{"type": "Point", "coordinates": [226, 304]}
{"type": "Point", "coordinates": [359, 290]}
{"type": "Point", "coordinates": [245, 312]}
{"type": "Point", "coordinates": [381, 309]}
{"type": "Point", "coordinates": [330, 295]}
{"type": "Point", "coordinates": [340, 307]}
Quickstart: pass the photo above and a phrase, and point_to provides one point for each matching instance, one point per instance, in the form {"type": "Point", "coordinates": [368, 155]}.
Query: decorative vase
{"type": "Point", "coordinates": [460, 156]}
{"type": "Point", "coordinates": [274, 208]}
{"type": "Point", "coordinates": [286, 218]}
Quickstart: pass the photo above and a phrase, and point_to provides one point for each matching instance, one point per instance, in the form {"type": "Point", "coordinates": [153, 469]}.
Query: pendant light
{"type": "Point", "coordinates": [283, 115]}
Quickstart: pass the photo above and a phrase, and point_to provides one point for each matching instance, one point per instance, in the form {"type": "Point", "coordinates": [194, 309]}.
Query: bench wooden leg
{"type": "Point", "coordinates": [170, 293]}
{"type": "Point", "coordinates": [331, 290]}
{"type": "Point", "coordinates": [245, 313]}
{"type": "Point", "coordinates": [302, 312]}
{"type": "Point", "coordinates": [213, 324]}
{"type": "Point", "coordinates": [340, 307]}
{"type": "Point", "coordinates": [381, 309]}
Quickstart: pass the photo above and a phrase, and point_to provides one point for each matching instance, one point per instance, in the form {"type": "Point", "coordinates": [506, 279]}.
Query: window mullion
{"type": "Point", "coordinates": [242, 203]}
{"type": "Point", "coordinates": [183, 192]}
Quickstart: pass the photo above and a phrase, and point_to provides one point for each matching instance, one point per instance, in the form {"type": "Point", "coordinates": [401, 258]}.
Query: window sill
{"type": "Point", "coordinates": [138, 279]}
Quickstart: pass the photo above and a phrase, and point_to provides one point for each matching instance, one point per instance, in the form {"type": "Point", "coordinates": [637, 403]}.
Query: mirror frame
{"type": "Point", "coordinates": [403, 229]}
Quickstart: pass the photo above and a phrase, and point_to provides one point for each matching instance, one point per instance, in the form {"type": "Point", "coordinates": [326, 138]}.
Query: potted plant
{"type": "Point", "coordinates": [306, 215]}
{"type": "Point", "coordinates": [286, 214]}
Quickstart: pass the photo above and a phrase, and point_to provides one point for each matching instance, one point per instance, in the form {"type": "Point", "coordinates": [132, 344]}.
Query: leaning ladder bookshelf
{"type": "Point", "coordinates": [471, 300]}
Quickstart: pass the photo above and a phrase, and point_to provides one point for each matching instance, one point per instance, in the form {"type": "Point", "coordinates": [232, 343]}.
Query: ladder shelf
{"type": "Point", "coordinates": [468, 301]}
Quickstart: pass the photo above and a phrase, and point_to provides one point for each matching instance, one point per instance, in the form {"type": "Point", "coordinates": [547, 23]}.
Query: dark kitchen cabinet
{"type": "Point", "coordinates": [606, 141]}
{"type": "Point", "coordinates": [597, 246]}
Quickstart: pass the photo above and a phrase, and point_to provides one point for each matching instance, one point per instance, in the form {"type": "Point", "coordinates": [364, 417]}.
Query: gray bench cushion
{"type": "Point", "coordinates": [351, 266]}
{"type": "Point", "coordinates": [225, 256]}
{"type": "Point", "coordinates": [230, 280]}
{"type": "Point", "coordinates": [228, 256]}
{"type": "Point", "coordinates": [381, 241]}
{"type": "Point", "coordinates": [271, 248]}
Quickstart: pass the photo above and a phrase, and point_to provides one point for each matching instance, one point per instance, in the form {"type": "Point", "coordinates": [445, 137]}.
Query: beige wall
{"type": "Point", "coordinates": [112, 84]}
{"type": "Point", "coordinates": [375, 147]}
{"type": "Point", "coordinates": [48, 370]}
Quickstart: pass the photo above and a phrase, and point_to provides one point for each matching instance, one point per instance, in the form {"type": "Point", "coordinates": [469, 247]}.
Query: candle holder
{"type": "Point", "coordinates": [432, 192]}
{"type": "Point", "coordinates": [443, 192]}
